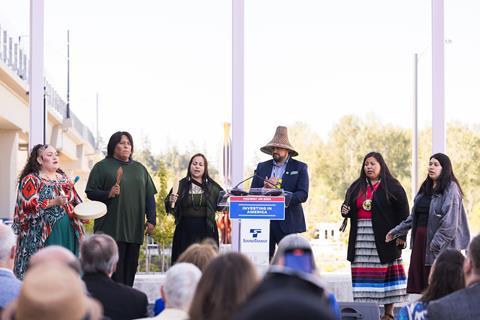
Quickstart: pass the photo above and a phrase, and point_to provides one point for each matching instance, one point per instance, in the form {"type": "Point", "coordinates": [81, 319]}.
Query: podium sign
{"type": "Point", "coordinates": [254, 240]}
{"type": "Point", "coordinates": [255, 212]}
{"type": "Point", "coordinates": [257, 207]}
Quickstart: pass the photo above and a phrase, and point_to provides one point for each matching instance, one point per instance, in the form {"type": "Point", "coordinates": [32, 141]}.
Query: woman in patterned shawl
{"type": "Point", "coordinates": [44, 209]}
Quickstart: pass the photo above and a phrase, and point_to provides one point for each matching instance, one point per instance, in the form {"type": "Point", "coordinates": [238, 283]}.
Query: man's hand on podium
{"type": "Point", "coordinates": [271, 182]}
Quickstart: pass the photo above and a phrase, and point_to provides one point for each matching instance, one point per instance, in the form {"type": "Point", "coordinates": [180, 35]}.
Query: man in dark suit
{"type": "Point", "coordinates": [99, 257]}
{"type": "Point", "coordinates": [462, 304]}
{"type": "Point", "coordinates": [289, 174]}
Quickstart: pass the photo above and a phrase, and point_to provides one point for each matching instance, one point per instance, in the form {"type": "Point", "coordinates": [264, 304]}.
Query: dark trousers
{"type": "Point", "coordinates": [276, 234]}
{"type": "Point", "coordinates": [127, 263]}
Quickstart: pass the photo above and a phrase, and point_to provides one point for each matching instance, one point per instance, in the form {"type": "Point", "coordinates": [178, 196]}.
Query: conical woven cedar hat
{"type": "Point", "coordinates": [280, 140]}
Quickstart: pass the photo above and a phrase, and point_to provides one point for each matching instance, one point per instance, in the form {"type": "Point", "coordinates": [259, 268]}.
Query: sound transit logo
{"type": "Point", "coordinates": [254, 238]}
{"type": "Point", "coordinates": [255, 232]}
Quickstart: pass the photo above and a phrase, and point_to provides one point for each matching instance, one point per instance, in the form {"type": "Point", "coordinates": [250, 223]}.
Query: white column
{"type": "Point", "coordinates": [36, 83]}
{"type": "Point", "coordinates": [8, 172]}
{"type": "Point", "coordinates": [237, 104]}
{"type": "Point", "coordinates": [415, 127]}
{"type": "Point", "coordinates": [438, 78]}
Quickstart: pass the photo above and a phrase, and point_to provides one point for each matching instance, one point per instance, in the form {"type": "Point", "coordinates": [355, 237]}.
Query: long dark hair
{"type": "Point", "coordinates": [115, 139]}
{"type": "Point", "coordinates": [205, 178]}
{"type": "Point", "coordinates": [32, 165]}
{"type": "Point", "coordinates": [360, 185]}
{"type": "Point", "coordinates": [447, 275]}
{"type": "Point", "coordinates": [225, 284]}
{"type": "Point", "coordinates": [446, 176]}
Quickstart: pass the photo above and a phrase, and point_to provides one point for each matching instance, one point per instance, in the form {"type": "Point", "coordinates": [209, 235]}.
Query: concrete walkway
{"type": "Point", "coordinates": [340, 284]}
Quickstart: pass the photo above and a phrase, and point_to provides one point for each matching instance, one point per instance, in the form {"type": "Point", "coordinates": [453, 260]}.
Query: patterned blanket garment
{"type": "Point", "coordinates": [33, 222]}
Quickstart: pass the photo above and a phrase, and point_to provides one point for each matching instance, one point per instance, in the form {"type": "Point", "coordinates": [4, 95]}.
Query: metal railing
{"type": "Point", "coordinates": [55, 102]}
{"type": "Point", "coordinates": [13, 56]}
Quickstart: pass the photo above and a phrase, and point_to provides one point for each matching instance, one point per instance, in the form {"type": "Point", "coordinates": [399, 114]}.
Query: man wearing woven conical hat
{"type": "Point", "coordinates": [289, 174]}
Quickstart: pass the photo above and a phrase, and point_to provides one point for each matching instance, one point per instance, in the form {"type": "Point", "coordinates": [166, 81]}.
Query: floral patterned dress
{"type": "Point", "coordinates": [33, 222]}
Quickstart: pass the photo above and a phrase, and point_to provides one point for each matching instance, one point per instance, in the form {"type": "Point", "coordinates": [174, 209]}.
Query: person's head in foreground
{"type": "Point", "coordinates": [446, 275]}
{"type": "Point", "coordinates": [180, 284]}
{"type": "Point", "coordinates": [52, 291]}
{"type": "Point", "coordinates": [224, 286]}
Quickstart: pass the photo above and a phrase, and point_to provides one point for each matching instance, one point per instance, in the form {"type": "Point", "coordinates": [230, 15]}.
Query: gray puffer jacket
{"type": "Point", "coordinates": [447, 223]}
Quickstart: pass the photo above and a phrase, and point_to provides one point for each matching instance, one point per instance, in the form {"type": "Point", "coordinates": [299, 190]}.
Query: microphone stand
{"type": "Point", "coordinates": [239, 192]}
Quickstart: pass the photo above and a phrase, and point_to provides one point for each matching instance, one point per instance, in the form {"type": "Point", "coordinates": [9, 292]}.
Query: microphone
{"type": "Point", "coordinates": [75, 180]}
{"type": "Point", "coordinates": [239, 192]}
{"type": "Point", "coordinates": [251, 177]}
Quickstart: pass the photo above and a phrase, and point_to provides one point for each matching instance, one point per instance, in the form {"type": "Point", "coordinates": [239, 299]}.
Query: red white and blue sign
{"type": "Point", "coordinates": [257, 207]}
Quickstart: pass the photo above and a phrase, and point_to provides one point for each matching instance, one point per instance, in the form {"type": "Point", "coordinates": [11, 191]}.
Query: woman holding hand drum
{"type": "Point", "coordinates": [44, 209]}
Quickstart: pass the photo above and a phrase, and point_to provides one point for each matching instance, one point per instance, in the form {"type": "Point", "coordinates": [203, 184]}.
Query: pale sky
{"type": "Point", "coordinates": [163, 68]}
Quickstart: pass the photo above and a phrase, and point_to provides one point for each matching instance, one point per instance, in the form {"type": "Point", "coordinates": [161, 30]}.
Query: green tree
{"type": "Point", "coordinates": [339, 160]}
{"type": "Point", "coordinates": [145, 156]}
{"type": "Point", "coordinates": [310, 148]}
{"type": "Point", "coordinates": [163, 234]}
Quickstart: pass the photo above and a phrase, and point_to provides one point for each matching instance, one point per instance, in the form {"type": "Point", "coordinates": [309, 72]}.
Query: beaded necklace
{"type": "Point", "coordinates": [196, 190]}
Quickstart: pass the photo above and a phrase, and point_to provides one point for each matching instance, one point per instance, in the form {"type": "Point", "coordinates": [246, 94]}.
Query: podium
{"type": "Point", "coordinates": [254, 209]}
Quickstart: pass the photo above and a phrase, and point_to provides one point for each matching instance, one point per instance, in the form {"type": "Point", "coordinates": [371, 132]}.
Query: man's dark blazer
{"type": "Point", "coordinates": [461, 304]}
{"type": "Point", "coordinates": [119, 301]}
{"type": "Point", "coordinates": [295, 180]}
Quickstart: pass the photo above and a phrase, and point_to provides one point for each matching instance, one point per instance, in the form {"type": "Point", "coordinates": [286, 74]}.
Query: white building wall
{"type": "Point", "coordinates": [8, 172]}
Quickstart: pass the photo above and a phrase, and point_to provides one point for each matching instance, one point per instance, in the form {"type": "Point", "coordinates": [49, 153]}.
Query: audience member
{"type": "Point", "coordinates": [56, 254]}
{"type": "Point", "coordinates": [462, 304]}
{"type": "Point", "coordinates": [224, 286]}
{"type": "Point", "coordinates": [9, 284]}
{"type": "Point", "coordinates": [52, 291]}
{"type": "Point", "coordinates": [212, 243]}
{"type": "Point", "coordinates": [284, 304]}
{"type": "Point", "coordinates": [198, 254]}
{"type": "Point", "coordinates": [290, 286]}
{"type": "Point", "coordinates": [296, 244]}
{"type": "Point", "coordinates": [177, 291]}
{"type": "Point", "coordinates": [446, 276]}
{"type": "Point", "coordinates": [99, 257]}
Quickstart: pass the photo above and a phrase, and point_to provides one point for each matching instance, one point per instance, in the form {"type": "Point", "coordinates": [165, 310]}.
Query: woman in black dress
{"type": "Point", "coordinates": [194, 206]}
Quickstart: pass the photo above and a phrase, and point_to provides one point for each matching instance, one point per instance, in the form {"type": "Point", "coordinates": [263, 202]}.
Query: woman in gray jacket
{"type": "Point", "coordinates": [438, 221]}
